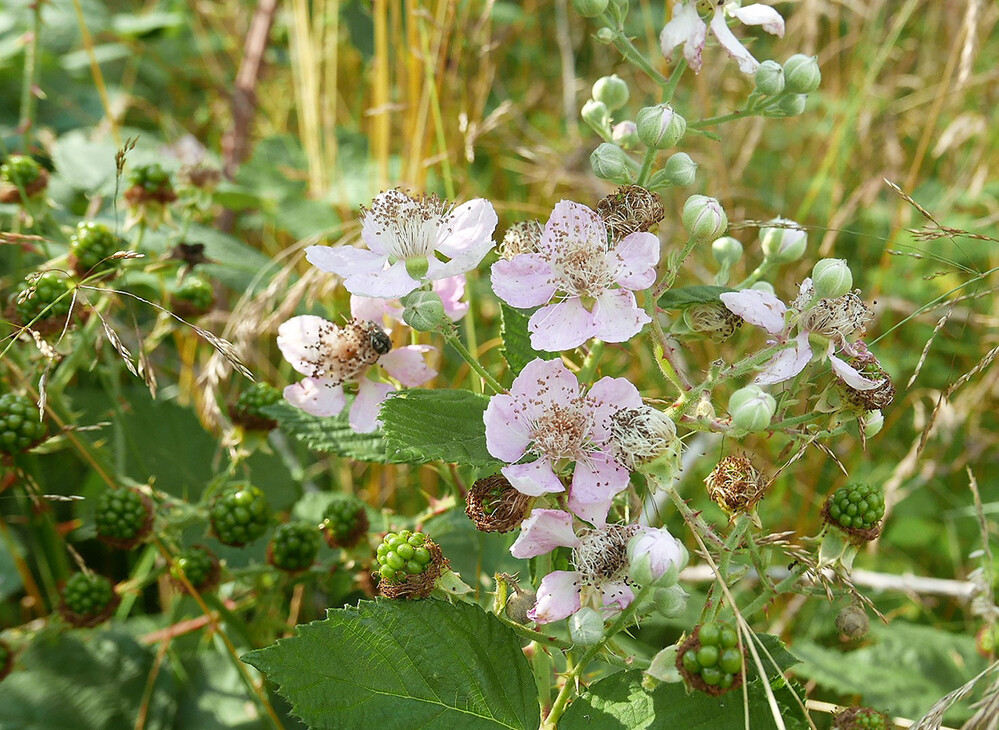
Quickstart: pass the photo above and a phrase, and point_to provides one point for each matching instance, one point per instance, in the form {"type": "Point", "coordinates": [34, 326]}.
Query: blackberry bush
{"type": "Point", "coordinates": [409, 564]}
{"type": "Point", "coordinates": [239, 515]}
{"type": "Point", "coordinates": [710, 659]}
{"type": "Point", "coordinates": [856, 509]}
{"type": "Point", "coordinates": [46, 298]}
{"type": "Point", "coordinates": [294, 546]}
{"type": "Point", "coordinates": [88, 600]}
{"type": "Point", "coordinates": [248, 409]}
{"type": "Point", "coordinates": [344, 521]}
{"type": "Point", "coordinates": [20, 428]}
{"type": "Point", "coordinates": [199, 565]}
{"type": "Point", "coordinates": [91, 245]}
{"type": "Point", "coordinates": [124, 517]}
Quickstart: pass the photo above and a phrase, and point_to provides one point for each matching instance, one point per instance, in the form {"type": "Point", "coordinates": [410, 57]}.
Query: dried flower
{"type": "Point", "coordinates": [735, 484]}
{"type": "Point", "coordinates": [494, 505]}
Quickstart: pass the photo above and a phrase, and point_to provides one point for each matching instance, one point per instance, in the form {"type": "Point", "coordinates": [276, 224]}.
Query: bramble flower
{"type": "Point", "coordinates": [410, 241]}
{"type": "Point", "coordinates": [575, 264]}
{"type": "Point", "coordinates": [686, 27]}
{"type": "Point", "coordinates": [450, 290]}
{"type": "Point", "coordinates": [330, 355]}
{"type": "Point", "coordinates": [546, 415]}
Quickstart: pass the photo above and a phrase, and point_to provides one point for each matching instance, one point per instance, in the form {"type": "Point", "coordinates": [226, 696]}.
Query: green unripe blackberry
{"type": "Point", "coordinates": [861, 718]}
{"type": "Point", "coordinates": [294, 546]}
{"type": "Point", "coordinates": [43, 298]}
{"type": "Point", "coordinates": [194, 296]}
{"type": "Point", "coordinates": [856, 508]}
{"type": "Point", "coordinates": [20, 428]}
{"type": "Point", "coordinates": [710, 659]}
{"type": "Point", "coordinates": [248, 410]}
{"type": "Point", "coordinates": [88, 600]}
{"type": "Point", "coordinates": [199, 565]}
{"type": "Point", "coordinates": [124, 517]}
{"type": "Point", "coordinates": [6, 659]}
{"type": "Point", "coordinates": [409, 564]}
{"type": "Point", "coordinates": [91, 245]}
{"type": "Point", "coordinates": [20, 171]}
{"type": "Point", "coordinates": [239, 515]}
{"type": "Point", "coordinates": [344, 521]}
{"type": "Point", "coordinates": [153, 179]}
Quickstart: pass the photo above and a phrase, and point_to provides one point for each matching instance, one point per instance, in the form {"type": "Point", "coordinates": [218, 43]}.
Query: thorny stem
{"type": "Point", "coordinates": [627, 48]}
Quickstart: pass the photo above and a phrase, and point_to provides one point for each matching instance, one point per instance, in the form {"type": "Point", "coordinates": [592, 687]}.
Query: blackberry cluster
{"type": "Point", "coordinates": [710, 659]}
{"type": "Point", "coordinates": [344, 521]}
{"type": "Point", "coordinates": [20, 171]}
{"type": "Point", "coordinates": [194, 296]}
{"type": "Point", "coordinates": [248, 411]}
{"type": "Point", "coordinates": [402, 554]}
{"type": "Point", "coordinates": [239, 515]}
{"type": "Point", "coordinates": [48, 289]}
{"type": "Point", "coordinates": [856, 507]}
{"type": "Point", "coordinates": [20, 428]}
{"type": "Point", "coordinates": [91, 245]}
{"type": "Point", "coordinates": [88, 600]}
{"type": "Point", "coordinates": [861, 718]}
{"type": "Point", "coordinates": [293, 547]}
{"type": "Point", "coordinates": [6, 659]}
{"type": "Point", "coordinates": [124, 517]}
{"type": "Point", "coordinates": [200, 566]}
{"type": "Point", "coordinates": [153, 181]}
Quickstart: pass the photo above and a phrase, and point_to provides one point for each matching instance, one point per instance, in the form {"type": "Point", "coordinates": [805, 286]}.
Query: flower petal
{"type": "Point", "coordinates": [573, 221]}
{"type": "Point", "coordinates": [407, 364]}
{"type": "Point", "coordinates": [558, 597]}
{"type": "Point", "coordinates": [374, 309]}
{"type": "Point", "coordinates": [561, 326]}
{"type": "Point", "coordinates": [685, 27]}
{"type": "Point", "coordinates": [637, 256]}
{"type": "Point", "coordinates": [763, 15]}
{"type": "Point", "coordinates": [851, 376]}
{"type": "Point", "coordinates": [390, 283]}
{"type": "Point", "coordinates": [786, 363]}
{"type": "Point", "coordinates": [731, 44]}
{"type": "Point", "coordinates": [593, 512]}
{"type": "Point", "coordinates": [467, 236]}
{"type": "Point", "coordinates": [345, 260]}
{"type": "Point", "coordinates": [543, 383]}
{"type": "Point", "coordinates": [523, 281]}
{"type": "Point", "coordinates": [618, 316]}
{"type": "Point", "coordinates": [533, 479]}
{"type": "Point", "coordinates": [451, 290]}
{"type": "Point", "coordinates": [596, 481]}
{"type": "Point", "coordinates": [756, 307]}
{"type": "Point", "coordinates": [298, 339]}
{"type": "Point", "coordinates": [543, 531]}
{"type": "Point", "coordinates": [608, 396]}
{"type": "Point", "coordinates": [376, 230]}
{"type": "Point", "coordinates": [507, 433]}
{"type": "Point", "coordinates": [616, 597]}
{"type": "Point", "coordinates": [316, 396]}
{"type": "Point", "coordinates": [364, 411]}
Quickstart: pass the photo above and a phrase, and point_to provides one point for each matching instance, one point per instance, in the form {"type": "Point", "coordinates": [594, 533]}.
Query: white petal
{"type": "Point", "coordinates": [298, 340]}
{"type": "Point", "coordinates": [756, 307]}
{"type": "Point", "coordinates": [543, 531]}
{"type": "Point", "coordinates": [763, 15]}
{"type": "Point", "coordinates": [364, 410]}
{"type": "Point", "coordinates": [407, 364]}
{"type": "Point", "coordinates": [851, 376]}
{"type": "Point", "coordinates": [685, 27]}
{"type": "Point", "coordinates": [316, 396]}
{"type": "Point", "coordinates": [786, 363]}
{"type": "Point", "coordinates": [558, 597]}
{"type": "Point", "coordinates": [731, 44]}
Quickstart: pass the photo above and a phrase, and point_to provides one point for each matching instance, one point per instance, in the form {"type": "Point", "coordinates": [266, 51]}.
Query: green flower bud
{"type": "Point", "coordinates": [625, 134]}
{"type": "Point", "coordinates": [609, 162]}
{"type": "Point", "coordinates": [417, 267]}
{"type": "Point", "coordinates": [590, 8]}
{"type": "Point", "coordinates": [704, 218]}
{"type": "Point", "coordinates": [659, 127]}
{"type": "Point", "coordinates": [751, 408]}
{"type": "Point", "coordinates": [586, 627]}
{"type": "Point", "coordinates": [671, 602]}
{"type": "Point", "coordinates": [788, 106]}
{"type": "Point", "coordinates": [612, 91]}
{"type": "Point", "coordinates": [832, 278]}
{"type": "Point", "coordinates": [764, 286]}
{"type": "Point", "coordinates": [597, 115]}
{"type": "Point", "coordinates": [783, 243]}
{"type": "Point", "coordinates": [770, 78]}
{"type": "Point", "coordinates": [605, 35]}
{"type": "Point", "coordinates": [424, 311]}
{"type": "Point", "coordinates": [726, 251]}
{"type": "Point", "coordinates": [801, 74]}
{"type": "Point", "coordinates": [679, 170]}
{"type": "Point", "coordinates": [872, 422]}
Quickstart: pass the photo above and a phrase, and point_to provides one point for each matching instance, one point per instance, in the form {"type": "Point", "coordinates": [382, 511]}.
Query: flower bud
{"type": "Point", "coordinates": [519, 604]}
{"type": "Point", "coordinates": [424, 311]}
{"type": "Point", "coordinates": [788, 106]}
{"type": "Point", "coordinates": [831, 278]}
{"type": "Point", "coordinates": [770, 78]}
{"type": "Point", "coordinates": [590, 8]}
{"type": "Point", "coordinates": [852, 622]}
{"type": "Point", "coordinates": [679, 170]}
{"type": "Point", "coordinates": [751, 408]}
{"type": "Point", "coordinates": [586, 627]}
{"type": "Point", "coordinates": [726, 250]}
{"type": "Point", "coordinates": [704, 218]}
{"type": "Point", "coordinates": [655, 556]}
{"type": "Point", "coordinates": [605, 35]}
{"type": "Point", "coordinates": [872, 422]}
{"type": "Point", "coordinates": [609, 162]}
{"type": "Point", "coordinates": [671, 602]}
{"type": "Point", "coordinates": [764, 286]}
{"type": "Point", "coordinates": [801, 74]}
{"type": "Point", "coordinates": [625, 134]}
{"type": "Point", "coordinates": [597, 115]}
{"type": "Point", "coordinates": [659, 127]}
{"type": "Point", "coordinates": [783, 242]}
{"type": "Point", "coordinates": [612, 91]}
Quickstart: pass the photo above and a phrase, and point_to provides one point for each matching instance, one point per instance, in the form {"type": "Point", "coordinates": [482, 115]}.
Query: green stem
{"type": "Point", "coordinates": [643, 175]}
{"type": "Point", "coordinates": [764, 598]}
{"type": "Point", "coordinates": [633, 55]}
{"type": "Point", "coordinates": [674, 80]}
{"type": "Point", "coordinates": [30, 77]}
{"type": "Point", "coordinates": [755, 276]}
{"type": "Point", "coordinates": [589, 369]}
{"type": "Point", "coordinates": [455, 342]}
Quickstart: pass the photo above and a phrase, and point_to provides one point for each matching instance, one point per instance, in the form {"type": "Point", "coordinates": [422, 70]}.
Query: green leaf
{"type": "Point", "coordinates": [404, 664]}
{"type": "Point", "coordinates": [517, 348]}
{"type": "Point", "coordinates": [619, 702]}
{"type": "Point", "coordinates": [437, 425]}
{"type": "Point", "coordinates": [687, 296]}
{"type": "Point", "coordinates": [331, 435]}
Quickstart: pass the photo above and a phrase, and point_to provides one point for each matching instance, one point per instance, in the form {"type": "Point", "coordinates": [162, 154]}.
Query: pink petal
{"type": "Point", "coordinates": [374, 309]}
{"type": "Point", "coordinates": [573, 221]}
{"type": "Point", "coordinates": [607, 397]}
{"type": "Point", "coordinates": [616, 597]}
{"type": "Point", "coordinates": [685, 27]}
{"type": "Point", "coordinates": [298, 338]}
{"type": "Point", "coordinates": [316, 396]}
{"type": "Point", "coordinates": [595, 482]}
{"type": "Point", "coordinates": [756, 307]}
{"type": "Point", "coordinates": [451, 290]}
{"type": "Point", "coordinates": [561, 326]}
{"type": "Point", "coordinates": [345, 260]}
{"type": "Point", "coordinates": [618, 316]}
{"type": "Point", "coordinates": [364, 411]}
{"type": "Point", "coordinates": [543, 531]}
{"type": "Point", "coordinates": [593, 512]}
{"type": "Point", "coordinates": [558, 597]}
{"type": "Point", "coordinates": [786, 363]}
{"type": "Point", "coordinates": [533, 479]}
{"type": "Point", "coordinates": [390, 283]}
{"type": "Point", "coordinates": [467, 236]}
{"type": "Point", "coordinates": [762, 15]}
{"type": "Point", "coordinates": [731, 44]}
{"type": "Point", "coordinates": [507, 434]}
{"type": "Point", "coordinates": [637, 256]}
{"type": "Point", "coordinates": [523, 281]}
{"type": "Point", "coordinates": [663, 549]}
{"type": "Point", "coordinates": [851, 376]}
{"type": "Point", "coordinates": [542, 383]}
{"type": "Point", "coordinates": [407, 364]}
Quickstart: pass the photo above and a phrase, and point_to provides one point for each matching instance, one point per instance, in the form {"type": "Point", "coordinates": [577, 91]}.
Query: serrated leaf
{"type": "Point", "coordinates": [404, 664]}
{"type": "Point", "coordinates": [687, 296]}
{"type": "Point", "coordinates": [517, 350]}
{"type": "Point", "coordinates": [437, 425]}
{"type": "Point", "coordinates": [619, 702]}
{"type": "Point", "coordinates": [331, 435]}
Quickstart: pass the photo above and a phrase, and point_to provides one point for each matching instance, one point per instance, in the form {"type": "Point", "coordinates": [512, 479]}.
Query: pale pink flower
{"type": "Point", "coordinates": [410, 241]}
{"type": "Point", "coordinates": [330, 355]}
{"type": "Point", "coordinates": [546, 415]}
{"type": "Point", "coordinates": [686, 27]}
{"type": "Point", "coordinates": [659, 548]}
{"type": "Point", "coordinates": [592, 283]}
{"type": "Point", "coordinates": [450, 290]}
